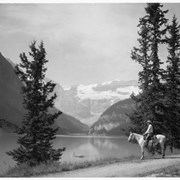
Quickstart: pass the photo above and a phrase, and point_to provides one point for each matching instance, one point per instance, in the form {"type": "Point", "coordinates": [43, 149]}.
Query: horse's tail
{"type": "Point", "coordinates": [165, 145]}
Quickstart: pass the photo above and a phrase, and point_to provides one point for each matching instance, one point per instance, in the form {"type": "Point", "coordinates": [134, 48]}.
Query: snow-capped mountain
{"type": "Point", "coordinates": [88, 102]}
{"type": "Point", "coordinates": [108, 90]}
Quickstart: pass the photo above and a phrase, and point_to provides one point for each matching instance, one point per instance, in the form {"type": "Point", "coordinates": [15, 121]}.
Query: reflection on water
{"type": "Point", "coordinates": [78, 148]}
{"type": "Point", "coordinates": [92, 148]}
{"type": "Point", "coordinates": [104, 143]}
{"type": "Point", "coordinates": [115, 147]}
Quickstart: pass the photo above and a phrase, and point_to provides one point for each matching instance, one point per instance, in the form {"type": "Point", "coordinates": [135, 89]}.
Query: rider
{"type": "Point", "coordinates": [149, 132]}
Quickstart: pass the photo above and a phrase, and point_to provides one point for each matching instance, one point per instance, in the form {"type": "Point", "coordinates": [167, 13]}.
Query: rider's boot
{"type": "Point", "coordinates": [152, 150]}
{"type": "Point", "coordinates": [146, 143]}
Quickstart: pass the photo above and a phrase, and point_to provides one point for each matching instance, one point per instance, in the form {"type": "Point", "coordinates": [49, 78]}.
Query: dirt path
{"type": "Point", "coordinates": [123, 169]}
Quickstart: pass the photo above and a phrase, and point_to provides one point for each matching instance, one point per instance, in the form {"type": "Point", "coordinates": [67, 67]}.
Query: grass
{"type": "Point", "coordinates": [26, 171]}
{"type": "Point", "coordinates": [4, 167]}
{"type": "Point", "coordinates": [55, 167]}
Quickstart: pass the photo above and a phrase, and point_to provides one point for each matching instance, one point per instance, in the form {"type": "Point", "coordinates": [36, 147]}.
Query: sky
{"type": "Point", "coordinates": [85, 43]}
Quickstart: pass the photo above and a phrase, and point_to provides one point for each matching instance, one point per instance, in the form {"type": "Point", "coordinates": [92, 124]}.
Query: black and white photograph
{"type": "Point", "coordinates": [89, 89]}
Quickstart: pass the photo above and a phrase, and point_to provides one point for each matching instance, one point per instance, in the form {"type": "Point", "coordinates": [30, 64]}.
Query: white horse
{"type": "Point", "coordinates": [160, 139]}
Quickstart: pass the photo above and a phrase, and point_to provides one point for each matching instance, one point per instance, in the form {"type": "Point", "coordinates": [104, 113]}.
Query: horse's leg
{"type": "Point", "coordinates": [142, 153]}
{"type": "Point", "coordinates": [164, 149]}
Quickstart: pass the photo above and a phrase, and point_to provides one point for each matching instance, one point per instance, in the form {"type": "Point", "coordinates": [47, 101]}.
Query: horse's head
{"type": "Point", "coordinates": [131, 137]}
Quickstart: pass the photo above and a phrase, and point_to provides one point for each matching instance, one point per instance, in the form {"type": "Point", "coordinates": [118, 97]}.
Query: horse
{"type": "Point", "coordinates": [160, 139]}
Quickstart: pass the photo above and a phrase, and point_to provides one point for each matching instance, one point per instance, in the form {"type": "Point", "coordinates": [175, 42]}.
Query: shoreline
{"type": "Point", "coordinates": [72, 135]}
{"type": "Point", "coordinates": [90, 136]}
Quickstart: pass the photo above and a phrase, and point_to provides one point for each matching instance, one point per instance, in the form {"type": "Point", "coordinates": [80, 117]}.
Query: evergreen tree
{"type": "Point", "coordinates": [156, 21]}
{"type": "Point", "coordinates": [142, 56]}
{"type": "Point", "coordinates": [173, 83]}
{"type": "Point", "coordinates": [152, 94]}
{"type": "Point", "coordinates": [37, 133]}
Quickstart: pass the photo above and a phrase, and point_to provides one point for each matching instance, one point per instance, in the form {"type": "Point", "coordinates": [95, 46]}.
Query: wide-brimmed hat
{"type": "Point", "coordinates": [148, 121]}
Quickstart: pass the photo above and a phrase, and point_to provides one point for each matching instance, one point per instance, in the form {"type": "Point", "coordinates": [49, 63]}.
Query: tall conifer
{"type": "Point", "coordinates": [141, 55]}
{"type": "Point", "coordinates": [173, 83]}
{"type": "Point", "coordinates": [152, 75]}
{"type": "Point", "coordinates": [37, 133]}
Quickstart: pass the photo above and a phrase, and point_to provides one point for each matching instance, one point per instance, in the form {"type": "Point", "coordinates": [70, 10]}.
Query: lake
{"type": "Point", "coordinates": [78, 148]}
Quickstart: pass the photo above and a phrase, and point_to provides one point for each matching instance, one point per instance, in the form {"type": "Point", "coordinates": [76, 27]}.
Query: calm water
{"type": "Point", "coordinates": [88, 148]}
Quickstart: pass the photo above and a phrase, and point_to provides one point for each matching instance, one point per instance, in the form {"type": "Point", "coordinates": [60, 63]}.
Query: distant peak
{"type": "Point", "coordinates": [1, 55]}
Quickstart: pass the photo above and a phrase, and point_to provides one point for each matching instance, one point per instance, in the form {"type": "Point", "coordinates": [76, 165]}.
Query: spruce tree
{"type": "Point", "coordinates": [152, 76]}
{"type": "Point", "coordinates": [37, 133]}
{"type": "Point", "coordinates": [156, 21]}
{"type": "Point", "coordinates": [173, 83]}
{"type": "Point", "coordinates": [141, 55]}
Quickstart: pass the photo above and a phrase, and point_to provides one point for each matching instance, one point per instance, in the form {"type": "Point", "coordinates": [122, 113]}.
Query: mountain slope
{"type": "Point", "coordinates": [114, 121]}
{"type": "Point", "coordinates": [11, 109]}
{"type": "Point", "coordinates": [68, 124]}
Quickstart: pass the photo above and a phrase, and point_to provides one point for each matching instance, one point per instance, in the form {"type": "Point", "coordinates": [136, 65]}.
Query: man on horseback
{"type": "Point", "coordinates": [149, 132]}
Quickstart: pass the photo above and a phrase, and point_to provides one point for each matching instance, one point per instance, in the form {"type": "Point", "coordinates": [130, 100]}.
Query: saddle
{"type": "Point", "coordinates": [152, 138]}
{"type": "Point", "coordinates": [153, 141]}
